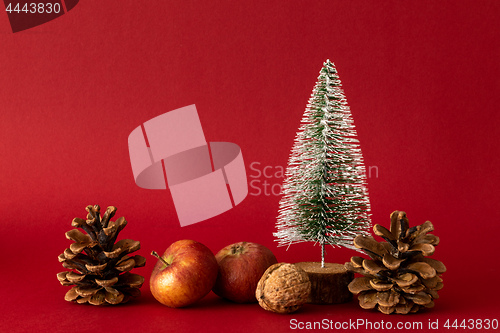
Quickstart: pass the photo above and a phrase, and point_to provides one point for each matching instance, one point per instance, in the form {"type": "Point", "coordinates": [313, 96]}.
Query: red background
{"type": "Point", "coordinates": [422, 80]}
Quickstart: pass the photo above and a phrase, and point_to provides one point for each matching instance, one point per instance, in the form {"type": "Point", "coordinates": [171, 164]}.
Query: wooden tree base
{"type": "Point", "coordinates": [328, 284]}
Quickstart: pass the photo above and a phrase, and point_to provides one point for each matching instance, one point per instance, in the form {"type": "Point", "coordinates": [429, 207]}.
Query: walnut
{"type": "Point", "coordinates": [283, 288]}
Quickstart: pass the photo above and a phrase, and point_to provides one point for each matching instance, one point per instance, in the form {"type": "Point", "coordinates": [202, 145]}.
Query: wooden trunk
{"type": "Point", "coordinates": [328, 284]}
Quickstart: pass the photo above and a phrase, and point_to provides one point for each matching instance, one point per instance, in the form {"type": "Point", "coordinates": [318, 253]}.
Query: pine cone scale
{"type": "Point", "coordinates": [107, 283]}
{"type": "Point", "coordinates": [68, 254]}
{"type": "Point", "coordinates": [420, 298]}
{"type": "Point", "coordinates": [74, 277]}
{"type": "Point", "coordinates": [140, 261]}
{"type": "Point", "coordinates": [71, 295]}
{"type": "Point", "coordinates": [112, 298]}
{"type": "Point", "coordinates": [405, 279]}
{"type": "Point", "coordinates": [372, 267]}
{"type": "Point", "coordinates": [379, 285]}
{"type": "Point", "coordinates": [95, 268]}
{"type": "Point", "coordinates": [436, 264]}
{"type": "Point", "coordinates": [390, 262]}
{"type": "Point", "coordinates": [85, 290]}
{"type": "Point", "coordinates": [423, 269]}
{"type": "Point", "coordinates": [360, 284]}
{"type": "Point", "coordinates": [96, 299]}
{"type": "Point", "coordinates": [384, 233]}
{"type": "Point", "coordinates": [126, 265]}
{"type": "Point", "coordinates": [368, 300]}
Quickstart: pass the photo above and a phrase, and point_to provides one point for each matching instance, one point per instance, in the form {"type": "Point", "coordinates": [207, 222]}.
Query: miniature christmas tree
{"type": "Point", "coordinates": [325, 199]}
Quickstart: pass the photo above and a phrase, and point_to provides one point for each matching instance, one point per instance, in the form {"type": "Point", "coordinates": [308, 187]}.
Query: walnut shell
{"type": "Point", "coordinates": [283, 288]}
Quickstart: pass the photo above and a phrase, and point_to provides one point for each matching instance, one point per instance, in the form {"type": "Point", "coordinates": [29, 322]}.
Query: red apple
{"type": "Point", "coordinates": [241, 266]}
{"type": "Point", "coordinates": [184, 274]}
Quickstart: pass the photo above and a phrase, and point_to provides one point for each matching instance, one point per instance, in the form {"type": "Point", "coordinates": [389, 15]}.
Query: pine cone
{"type": "Point", "coordinates": [101, 268]}
{"type": "Point", "coordinates": [399, 277]}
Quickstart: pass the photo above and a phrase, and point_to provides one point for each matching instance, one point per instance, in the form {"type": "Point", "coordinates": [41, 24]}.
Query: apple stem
{"type": "Point", "coordinates": [154, 254]}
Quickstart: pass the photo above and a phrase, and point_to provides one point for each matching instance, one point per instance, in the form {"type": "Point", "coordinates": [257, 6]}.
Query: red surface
{"type": "Point", "coordinates": [422, 80]}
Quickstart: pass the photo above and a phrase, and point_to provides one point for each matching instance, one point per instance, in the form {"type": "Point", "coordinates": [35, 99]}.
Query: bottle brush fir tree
{"type": "Point", "coordinates": [325, 198]}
